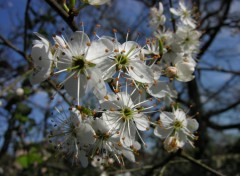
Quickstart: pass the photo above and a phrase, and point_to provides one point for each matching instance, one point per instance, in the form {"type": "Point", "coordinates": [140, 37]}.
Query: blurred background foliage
{"type": "Point", "coordinates": [25, 110]}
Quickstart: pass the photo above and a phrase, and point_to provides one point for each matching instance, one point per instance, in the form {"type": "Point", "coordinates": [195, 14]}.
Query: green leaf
{"type": "Point", "coordinates": [27, 90]}
{"type": "Point", "coordinates": [23, 109]}
{"type": "Point", "coordinates": [30, 158]}
{"type": "Point", "coordinates": [21, 118]}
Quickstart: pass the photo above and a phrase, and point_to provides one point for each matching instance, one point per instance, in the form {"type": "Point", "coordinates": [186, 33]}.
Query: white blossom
{"type": "Point", "coordinates": [176, 129]}
{"type": "Point", "coordinates": [108, 143]}
{"type": "Point", "coordinates": [96, 2]}
{"type": "Point", "coordinates": [79, 58]}
{"type": "Point", "coordinates": [42, 59]}
{"type": "Point", "coordinates": [71, 134]}
{"type": "Point", "coordinates": [126, 60]}
{"type": "Point", "coordinates": [182, 71]}
{"type": "Point", "coordinates": [125, 117]}
{"type": "Point", "coordinates": [185, 14]}
{"type": "Point", "coordinates": [188, 38]}
{"type": "Point", "coordinates": [157, 18]}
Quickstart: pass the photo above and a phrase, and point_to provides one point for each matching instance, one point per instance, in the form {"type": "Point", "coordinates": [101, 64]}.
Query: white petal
{"type": "Point", "coordinates": [112, 120]}
{"type": "Point", "coordinates": [128, 133]}
{"type": "Point", "coordinates": [83, 159]}
{"type": "Point", "coordinates": [40, 75]}
{"type": "Point", "coordinates": [180, 115]}
{"type": "Point", "coordinates": [130, 48]}
{"type": "Point", "coordinates": [86, 134]}
{"type": "Point", "coordinates": [166, 118]}
{"type": "Point", "coordinates": [108, 68]}
{"type": "Point", "coordinates": [43, 39]}
{"type": "Point", "coordinates": [175, 12]}
{"type": "Point", "coordinates": [124, 100]}
{"type": "Point", "coordinates": [100, 125]}
{"type": "Point", "coordinates": [95, 80]}
{"type": "Point", "coordinates": [78, 43]}
{"type": "Point", "coordinates": [140, 72]}
{"type": "Point", "coordinates": [192, 125]}
{"type": "Point", "coordinates": [158, 90]}
{"type": "Point", "coordinates": [99, 50]}
{"type": "Point", "coordinates": [100, 91]}
{"type": "Point", "coordinates": [141, 121]}
{"type": "Point", "coordinates": [160, 8]}
{"type": "Point", "coordinates": [185, 71]}
{"type": "Point", "coordinates": [71, 86]}
{"type": "Point", "coordinates": [59, 41]}
{"type": "Point", "coordinates": [182, 138]}
{"type": "Point", "coordinates": [162, 132]}
{"type": "Point", "coordinates": [64, 62]}
{"type": "Point", "coordinates": [182, 5]}
{"type": "Point", "coordinates": [41, 55]}
{"type": "Point", "coordinates": [156, 71]}
{"type": "Point", "coordinates": [128, 154]}
{"type": "Point", "coordinates": [97, 2]}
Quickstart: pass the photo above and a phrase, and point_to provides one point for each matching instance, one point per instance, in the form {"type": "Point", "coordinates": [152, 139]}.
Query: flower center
{"type": "Point", "coordinates": [79, 63]}
{"type": "Point", "coordinates": [177, 125]}
{"type": "Point", "coordinates": [127, 114]}
{"type": "Point", "coordinates": [185, 14]}
{"type": "Point", "coordinates": [103, 136]}
{"type": "Point", "coordinates": [73, 129]}
{"type": "Point", "coordinates": [122, 61]}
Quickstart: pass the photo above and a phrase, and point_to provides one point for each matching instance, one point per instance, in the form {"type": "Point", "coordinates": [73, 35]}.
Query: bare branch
{"type": "Point", "coordinates": [223, 127]}
{"type": "Point", "coordinates": [67, 18]}
{"type": "Point", "coordinates": [217, 69]}
{"type": "Point", "coordinates": [13, 47]}
{"type": "Point", "coordinates": [198, 163]}
{"type": "Point", "coordinates": [219, 111]}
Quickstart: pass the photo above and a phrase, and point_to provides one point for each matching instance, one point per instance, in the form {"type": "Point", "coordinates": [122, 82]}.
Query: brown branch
{"type": "Point", "coordinates": [26, 21]}
{"type": "Point", "coordinates": [219, 111]}
{"type": "Point", "coordinates": [217, 69]}
{"type": "Point", "coordinates": [7, 136]}
{"type": "Point", "coordinates": [223, 127]}
{"type": "Point", "coordinates": [162, 163]}
{"type": "Point", "coordinates": [65, 16]}
{"type": "Point", "coordinates": [217, 28]}
{"type": "Point", "coordinates": [172, 17]}
{"type": "Point", "coordinates": [13, 47]}
{"type": "Point", "coordinates": [200, 164]}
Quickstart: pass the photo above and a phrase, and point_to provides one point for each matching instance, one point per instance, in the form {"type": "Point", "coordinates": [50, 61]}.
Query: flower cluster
{"type": "Point", "coordinates": [128, 80]}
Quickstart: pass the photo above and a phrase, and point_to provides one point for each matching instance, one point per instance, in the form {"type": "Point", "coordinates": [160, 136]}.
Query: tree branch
{"type": "Point", "coordinates": [223, 127]}
{"type": "Point", "coordinates": [219, 111]}
{"type": "Point", "coordinates": [26, 21]}
{"type": "Point", "coordinates": [198, 163]}
{"type": "Point", "coordinates": [217, 69]}
{"type": "Point", "coordinates": [13, 47]}
{"type": "Point", "coordinates": [65, 16]}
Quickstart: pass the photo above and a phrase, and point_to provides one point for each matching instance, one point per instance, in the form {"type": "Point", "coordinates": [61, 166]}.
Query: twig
{"type": "Point", "coordinates": [172, 18]}
{"type": "Point", "coordinates": [163, 163]}
{"type": "Point", "coordinates": [13, 47]}
{"type": "Point", "coordinates": [52, 84]}
{"type": "Point", "coordinates": [67, 18]}
{"type": "Point", "coordinates": [132, 170]}
{"type": "Point", "coordinates": [223, 127]}
{"type": "Point", "coordinates": [198, 163]}
{"type": "Point", "coordinates": [26, 26]}
{"type": "Point", "coordinates": [217, 69]}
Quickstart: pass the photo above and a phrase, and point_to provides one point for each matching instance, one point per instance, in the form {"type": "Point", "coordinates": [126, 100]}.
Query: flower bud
{"type": "Point", "coordinates": [171, 72]}
{"type": "Point", "coordinates": [171, 144]}
{"type": "Point", "coordinates": [19, 91]}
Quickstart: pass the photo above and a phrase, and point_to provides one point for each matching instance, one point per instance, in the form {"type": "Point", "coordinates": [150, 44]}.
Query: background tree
{"type": "Point", "coordinates": [25, 110]}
